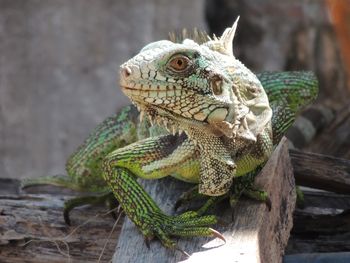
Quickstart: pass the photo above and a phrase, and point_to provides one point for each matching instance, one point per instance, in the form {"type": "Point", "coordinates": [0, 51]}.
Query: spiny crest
{"type": "Point", "coordinates": [198, 36]}
{"type": "Point", "coordinates": [222, 44]}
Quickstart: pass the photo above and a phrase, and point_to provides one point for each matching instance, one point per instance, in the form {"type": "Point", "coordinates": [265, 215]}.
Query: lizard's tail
{"type": "Point", "coordinates": [56, 180]}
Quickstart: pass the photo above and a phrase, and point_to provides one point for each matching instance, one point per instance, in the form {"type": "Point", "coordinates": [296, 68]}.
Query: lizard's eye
{"type": "Point", "coordinates": [179, 63]}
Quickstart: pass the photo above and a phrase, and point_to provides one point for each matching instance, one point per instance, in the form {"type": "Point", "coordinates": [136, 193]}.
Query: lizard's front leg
{"type": "Point", "coordinates": [120, 169]}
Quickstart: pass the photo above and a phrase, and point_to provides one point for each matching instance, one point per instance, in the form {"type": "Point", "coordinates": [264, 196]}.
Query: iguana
{"type": "Point", "coordinates": [210, 121]}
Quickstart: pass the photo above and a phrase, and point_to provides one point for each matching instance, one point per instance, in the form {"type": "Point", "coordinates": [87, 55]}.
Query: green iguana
{"type": "Point", "coordinates": [211, 122]}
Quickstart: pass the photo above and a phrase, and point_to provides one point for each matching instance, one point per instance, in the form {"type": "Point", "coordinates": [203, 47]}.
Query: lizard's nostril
{"type": "Point", "coordinates": [126, 71]}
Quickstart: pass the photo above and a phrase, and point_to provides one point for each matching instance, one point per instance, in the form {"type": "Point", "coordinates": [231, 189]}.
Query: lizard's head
{"type": "Point", "coordinates": [196, 86]}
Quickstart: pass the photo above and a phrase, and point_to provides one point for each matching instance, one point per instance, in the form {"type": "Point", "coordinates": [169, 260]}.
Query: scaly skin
{"type": "Point", "coordinates": [232, 119]}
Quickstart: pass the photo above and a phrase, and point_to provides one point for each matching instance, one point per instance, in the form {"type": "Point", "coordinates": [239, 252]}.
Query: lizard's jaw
{"type": "Point", "coordinates": [162, 107]}
{"type": "Point", "coordinates": [161, 114]}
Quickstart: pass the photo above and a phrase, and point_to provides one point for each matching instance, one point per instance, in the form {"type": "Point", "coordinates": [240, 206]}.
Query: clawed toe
{"type": "Point", "coordinates": [218, 234]}
{"type": "Point", "coordinates": [183, 252]}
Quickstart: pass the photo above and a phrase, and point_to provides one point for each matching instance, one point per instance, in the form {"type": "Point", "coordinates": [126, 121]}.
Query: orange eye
{"type": "Point", "coordinates": [179, 63]}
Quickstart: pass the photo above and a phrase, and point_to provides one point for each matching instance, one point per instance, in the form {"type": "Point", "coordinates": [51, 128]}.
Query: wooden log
{"type": "Point", "coordinates": [322, 226]}
{"type": "Point", "coordinates": [32, 229]}
{"type": "Point", "coordinates": [320, 232]}
{"type": "Point", "coordinates": [255, 235]}
{"type": "Point", "coordinates": [321, 171]}
{"type": "Point", "coordinates": [314, 238]}
{"type": "Point", "coordinates": [322, 199]}
{"type": "Point", "coordinates": [21, 212]}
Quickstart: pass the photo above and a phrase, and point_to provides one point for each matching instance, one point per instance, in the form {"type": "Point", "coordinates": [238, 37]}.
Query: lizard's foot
{"type": "Point", "coordinates": [244, 185]}
{"type": "Point", "coordinates": [259, 195]}
{"type": "Point", "coordinates": [145, 213]}
{"type": "Point", "coordinates": [252, 193]}
{"type": "Point", "coordinates": [210, 203]}
{"type": "Point", "coordinates": [106, 198]}
{"type": "Point", "coordinates": [192, 195]}
{"type": "Point", "coordinates": [188, 224]}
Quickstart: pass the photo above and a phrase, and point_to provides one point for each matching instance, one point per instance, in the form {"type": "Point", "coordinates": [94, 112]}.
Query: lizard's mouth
{"type": "Point", "coordinates": [161, 114]}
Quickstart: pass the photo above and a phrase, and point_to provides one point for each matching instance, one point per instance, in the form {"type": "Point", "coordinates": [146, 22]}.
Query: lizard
{"type": "Point", "coordinates": [205, 119]}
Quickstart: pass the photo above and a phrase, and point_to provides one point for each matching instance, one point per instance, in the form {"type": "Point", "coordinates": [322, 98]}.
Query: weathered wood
{"type": "Point", "coordinates": [301, 240]}
{"type": "Point", "coordinates": [321, 171]}
{"type": "Point", "coordinates": [323, 224]}
{"type": "Point", "coordinates": [324, 199]}
{"type": "Point", "coordinates": [37, 217]}
{"type": "Point", "coordinates": [320, 232]}
{"type": "Point", "coordinates": [14, 206]}
{"type": "Point", "coordinates": [255, 234]}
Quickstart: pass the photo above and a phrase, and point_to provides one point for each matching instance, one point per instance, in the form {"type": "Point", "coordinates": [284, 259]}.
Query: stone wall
{"type": "Point", "coordinates": [58, 71]}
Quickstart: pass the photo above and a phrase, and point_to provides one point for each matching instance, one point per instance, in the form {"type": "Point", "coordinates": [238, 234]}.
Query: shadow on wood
{"type": "Point", "coordinates": [255, 234]}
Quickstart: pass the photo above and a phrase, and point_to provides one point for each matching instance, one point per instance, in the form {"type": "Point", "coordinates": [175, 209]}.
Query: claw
{"type": "Point", "coordinates": [217, 234]}
{"type": "Point", "coordinates": [183, 252]}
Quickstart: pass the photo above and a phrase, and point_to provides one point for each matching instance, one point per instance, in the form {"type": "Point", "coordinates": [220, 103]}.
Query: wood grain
{"type": "Point", "coordinates": [32, 229]}
{"type": "Point", "coordinates": [321, 171]}
{"type": "Point", "coordinates": [36, 215]}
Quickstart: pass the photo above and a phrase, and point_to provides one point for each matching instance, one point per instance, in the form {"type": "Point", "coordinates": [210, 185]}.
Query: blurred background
{"type": "Point", "coordinates": [59, 64]}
